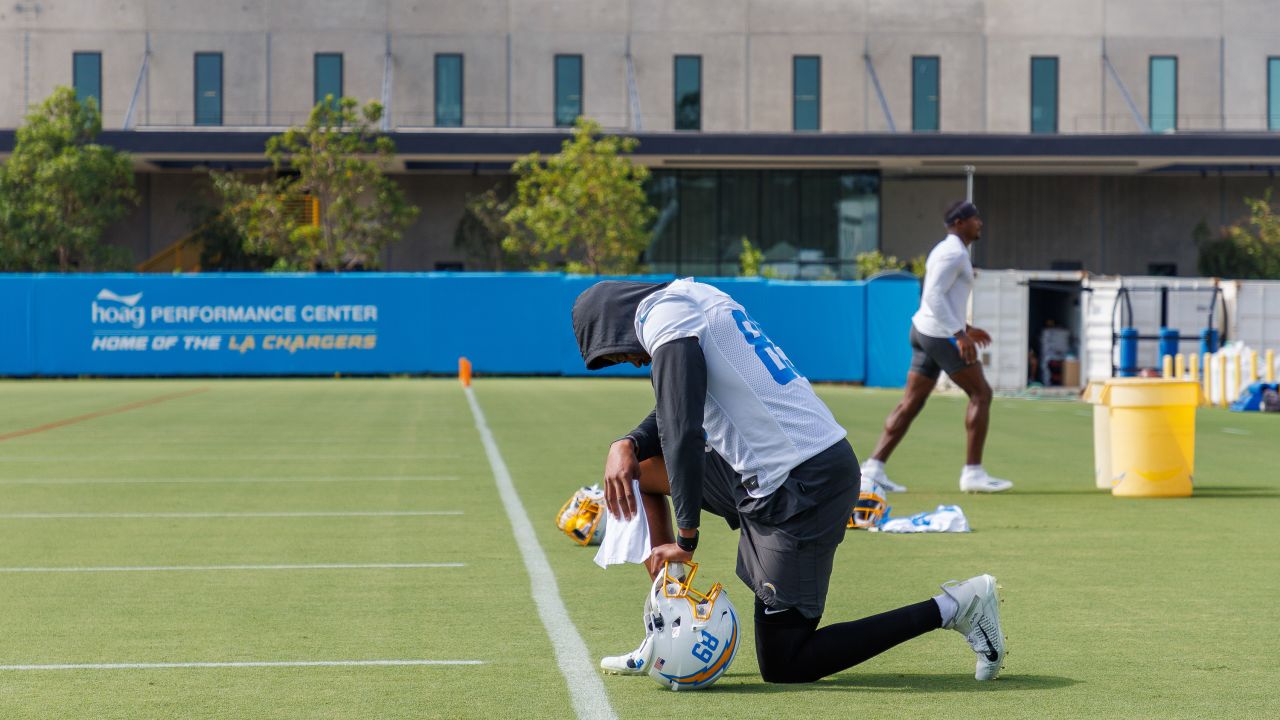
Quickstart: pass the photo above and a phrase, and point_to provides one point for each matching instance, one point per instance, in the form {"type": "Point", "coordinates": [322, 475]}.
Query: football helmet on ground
{"type": "Point", "coordinates": [583, 516]}
{"type": "Point", "coordinates": [694, 635]}
{"type": "Point", "coordinates": [869, 510]}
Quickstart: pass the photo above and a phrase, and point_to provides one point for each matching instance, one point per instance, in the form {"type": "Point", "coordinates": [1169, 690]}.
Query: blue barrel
{"type": "Point", "coordinates": [1128, 352]}
{"type": "Point", "coordinates": [1208, 341]}
{"type": "Point", "coordinates": [1168, 342]}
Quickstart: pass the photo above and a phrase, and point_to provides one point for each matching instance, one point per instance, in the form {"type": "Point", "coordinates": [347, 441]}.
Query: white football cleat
{"type": "Point", "coordinates": [877, 475]}
{"type": "Point", "coordinates": [635, 662]}
{"type": "Point", "coordinates": [980, 482]}
{"type": "Point", "coordinates": [978, 619]}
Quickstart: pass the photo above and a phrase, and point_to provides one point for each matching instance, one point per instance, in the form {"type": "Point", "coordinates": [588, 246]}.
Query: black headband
{"type": "Point", "coordinates": [963, 211]}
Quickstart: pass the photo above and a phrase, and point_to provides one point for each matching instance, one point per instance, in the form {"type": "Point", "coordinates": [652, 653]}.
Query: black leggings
{"type": "Point", "coordinates": [791, 649]}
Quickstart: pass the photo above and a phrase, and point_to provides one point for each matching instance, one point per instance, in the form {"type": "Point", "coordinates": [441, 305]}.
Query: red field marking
{"type": "Point", "coordinates": [100, 413]}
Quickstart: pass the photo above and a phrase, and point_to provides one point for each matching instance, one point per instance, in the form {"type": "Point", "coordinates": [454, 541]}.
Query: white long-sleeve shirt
{"type": "Point", "coordinates": [948, 280]}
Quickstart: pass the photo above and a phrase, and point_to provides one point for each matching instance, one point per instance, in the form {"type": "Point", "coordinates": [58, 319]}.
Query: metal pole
{"type": "Point", "coordinates": [137, 86]}
{"type": "Point", "coordinates": [875, 81]}
{"type": "Point", "coordinates": [268, 118]}
{"type": "Point", "coordinates": [968, 182]}
{"type": "Point", "coordinates": [386, 87]}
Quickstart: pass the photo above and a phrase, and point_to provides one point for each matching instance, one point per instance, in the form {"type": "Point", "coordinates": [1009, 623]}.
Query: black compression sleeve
{"type": "Point", "coordinates": [680, 384]}
{"type": "Point", "coordinates": [648, 443]}
{"type": "Point", "coordinates": [790, 648]}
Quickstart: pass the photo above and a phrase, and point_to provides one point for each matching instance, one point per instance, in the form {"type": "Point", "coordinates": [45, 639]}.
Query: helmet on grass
{"type": "Point", "coordinates": [694, 634]}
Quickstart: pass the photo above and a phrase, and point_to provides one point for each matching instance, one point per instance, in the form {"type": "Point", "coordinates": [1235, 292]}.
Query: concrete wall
{"type": "Point", "coordinates": [747, 46]}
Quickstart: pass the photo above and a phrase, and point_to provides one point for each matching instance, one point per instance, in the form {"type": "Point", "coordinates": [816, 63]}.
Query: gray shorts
{"type": "Point", "coordinates": [931, 355]}
{"type": "Point", "coordinates": [788, 540]}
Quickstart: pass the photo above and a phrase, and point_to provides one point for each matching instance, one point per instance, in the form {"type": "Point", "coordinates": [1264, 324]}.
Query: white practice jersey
{"type": "Point", "coordinates": [761, 415]}
{"type": "Point", "coordinates": [948, 280]}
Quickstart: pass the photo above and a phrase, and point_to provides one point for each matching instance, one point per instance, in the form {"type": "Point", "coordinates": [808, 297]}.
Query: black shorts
{"type": "Point", "coordinates": [788, 540]}
{"type": "Point", "coordinates": [931, 355]}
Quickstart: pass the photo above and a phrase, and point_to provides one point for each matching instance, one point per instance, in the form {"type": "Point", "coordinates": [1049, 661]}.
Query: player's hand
{"type": "Point", "coordinates": [670, 552]}
{"type": "Point", "coordinates": [968, 350]}
{"type": "Point", "coordinates": [620, 467]}
{"type": "Point", "coordinates": [980, 336]}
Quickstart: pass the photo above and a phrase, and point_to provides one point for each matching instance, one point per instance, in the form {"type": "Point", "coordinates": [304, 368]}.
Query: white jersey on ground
{"type": "Point", "coordinates": [761, 415]}
{"type": "Point", "coordinates": [948, 280]}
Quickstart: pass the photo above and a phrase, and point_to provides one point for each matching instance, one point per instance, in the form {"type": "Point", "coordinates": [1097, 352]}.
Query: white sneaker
{"type": "Point", "coordinates": [635, 662]}
{"type": "Point", "coordinates": [981, 482]}
{"type": "Point", "coordinates": [978, 619]}
{"type": "Point", "coordinates": [881, 479]}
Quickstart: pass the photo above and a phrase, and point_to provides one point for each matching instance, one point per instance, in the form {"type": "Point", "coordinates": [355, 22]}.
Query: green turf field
{"type": "Point", "coordinates": [134, 534]}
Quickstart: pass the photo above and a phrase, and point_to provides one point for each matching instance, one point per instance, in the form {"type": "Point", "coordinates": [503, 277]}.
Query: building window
{"type": "Point", "coordinates": [208, 88]}
{"type": "Point", "coordinates": [1044, 94]}
{"type": "Point", "coordinates": [924, 93]}
{"type": "Point", "coordinates": [1273, 93]}
{"type": "Point", "coordinates": [1163, 101]}
{"type": "Point", "coordinates": [328, 78]}
{"type": "Point", "coordinates": [86, 76]}
{"type": "Point", "coordinates": [809, 224]}
{"type": "Point", "coordinates": [449, 90]}
{"type": "Point", "coordinates": [688, 98]}
{"type": "Point", "coordinates": [806, 83]}
{"type": "Point", "coordinates": [568, 89]}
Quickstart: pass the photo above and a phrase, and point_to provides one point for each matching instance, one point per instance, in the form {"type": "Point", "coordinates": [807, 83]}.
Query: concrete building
{"type": "Point", "coordinates": [1102, 131]}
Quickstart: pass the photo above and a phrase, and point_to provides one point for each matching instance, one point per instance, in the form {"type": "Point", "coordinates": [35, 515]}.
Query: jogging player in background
{"type": "Point", "coordinates": [740, 433]}
{"type": "Point", "coordinates": [941, 341]}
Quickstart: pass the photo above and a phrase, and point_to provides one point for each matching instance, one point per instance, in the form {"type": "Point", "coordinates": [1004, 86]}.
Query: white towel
{"type": "Point", "coordinates": [947, 518]}
{"type": "Point", "coordinates": [625, 540]}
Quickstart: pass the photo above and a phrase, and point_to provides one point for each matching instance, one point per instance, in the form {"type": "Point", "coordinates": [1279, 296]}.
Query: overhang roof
{"type": "Point", "coordinates": [472, 149]}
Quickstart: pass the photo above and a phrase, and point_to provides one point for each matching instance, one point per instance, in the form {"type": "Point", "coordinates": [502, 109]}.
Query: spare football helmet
{"type": "Point", "coordinates": [582, 518]}
{"type": "Point", "coordinates": [694, 635]}
{"type": "Point", "coordinates": [870, 510]}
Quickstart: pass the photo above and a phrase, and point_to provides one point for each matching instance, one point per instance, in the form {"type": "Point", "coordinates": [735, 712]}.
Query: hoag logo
{"type": "Point", "coordinates": [119, 310]}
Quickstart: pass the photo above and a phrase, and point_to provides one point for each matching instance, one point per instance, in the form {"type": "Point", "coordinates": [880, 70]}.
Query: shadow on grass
{"type": "Point", "coordinates": [1235, 491]}
{"type": "Point", "coordinates": [894, 682]}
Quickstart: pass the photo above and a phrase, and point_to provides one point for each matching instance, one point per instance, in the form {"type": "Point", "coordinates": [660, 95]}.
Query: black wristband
{"type": "Point", "coordinates": [687, 544]}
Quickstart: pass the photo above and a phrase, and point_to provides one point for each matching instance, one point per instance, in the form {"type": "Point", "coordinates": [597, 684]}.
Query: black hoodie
{"type": "Point", "coordinates": [604, 319]}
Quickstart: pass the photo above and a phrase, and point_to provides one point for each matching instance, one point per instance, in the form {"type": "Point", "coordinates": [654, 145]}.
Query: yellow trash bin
{"type": "Point", "coordinates": [1101, 436]}
{"type": "Point", "coordinates": [1153, 435]}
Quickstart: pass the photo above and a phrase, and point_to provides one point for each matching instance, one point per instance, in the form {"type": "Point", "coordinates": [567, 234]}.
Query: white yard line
{"type": "Point", "coordinates": [210, 568]}
{"type": "Point", "coordinates": [207, 515]}
{"type": "Point", "coordinates": [195, 481]}
{"type": "Point", "coordinates": [202, 665]}
{"type": "Point", "coordinates": [586, 690]}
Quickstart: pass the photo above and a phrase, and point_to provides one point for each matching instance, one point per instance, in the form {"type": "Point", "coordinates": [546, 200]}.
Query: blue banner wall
{"type": "Point", "coordinates": [377, 323]}
{"type": "Point", "coordinates": [15, 325]}
{"type": "Point", "coordinates": [891, 301]}
{"type": "Point", "coordinates": [216, 324]}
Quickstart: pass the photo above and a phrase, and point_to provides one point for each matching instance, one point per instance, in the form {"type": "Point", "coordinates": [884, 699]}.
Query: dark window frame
{"type": "Point", "coordinates": [582, 88]}
{"type": "Point", "coordinates": [1151, 61]}
{"type": "Point", "coordinates": [795, 102]}
{"type": "Point", "coordinates": [195, 68]}
{"type": "Point", "coordinates": [315, 76]}
{"type": "Point", "coordinates": [74, 56]}
{"type": "Point", "coordinates": [462, 88]}
{"type": "Point", "coordinates": [1273, 116]}
{"type": "Point", "coordinates": [1057, 89]}
{"type": "Point", "coordinates": [937, 59]}
{"type": "Point", "coordinates": [675, 87]}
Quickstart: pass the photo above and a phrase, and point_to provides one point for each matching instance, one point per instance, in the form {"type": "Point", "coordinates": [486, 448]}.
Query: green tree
{"type": "Point", "coordinates": [1249, 249]}
{"type": "Point", "coordinates": [483, 229]}
{"type": "Point", "coordinates": [584, 206]}
{"type": "Point", "coordinates": [60, 190]}
{"type": "Point", "coordinates": [336, 160]}
{"type": "Point", "coordinates": [751, 259]}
